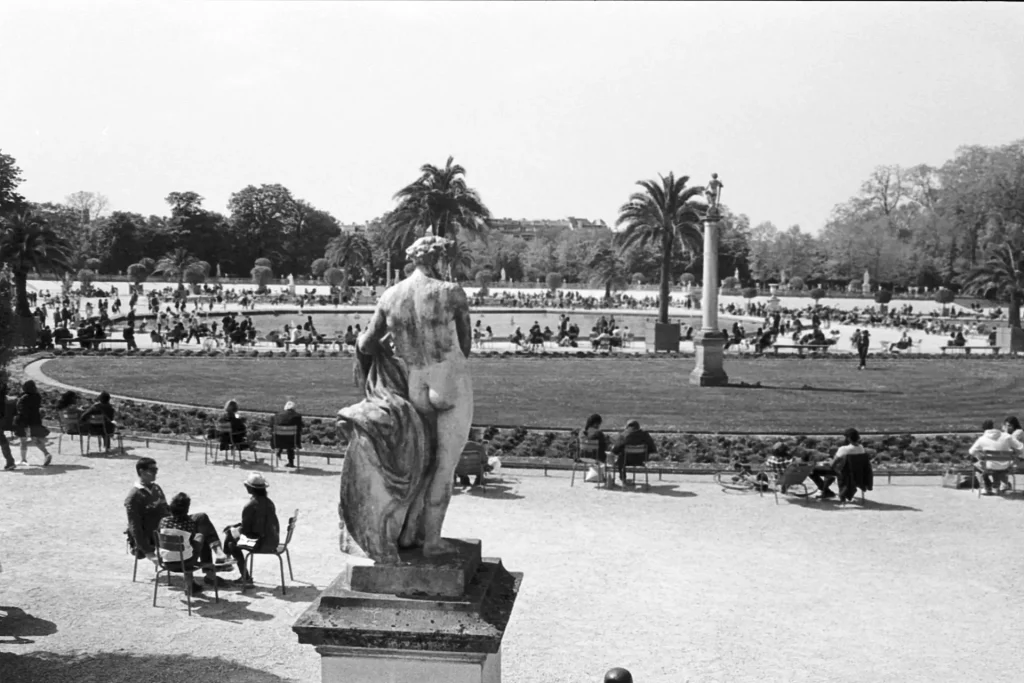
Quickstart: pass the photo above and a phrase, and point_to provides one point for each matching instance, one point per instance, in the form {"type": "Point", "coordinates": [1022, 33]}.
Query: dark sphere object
{"type": "Point", "coordinates": [618, 675]}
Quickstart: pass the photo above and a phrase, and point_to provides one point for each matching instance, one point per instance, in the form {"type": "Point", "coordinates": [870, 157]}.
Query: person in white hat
{"type": "Point", "coordinates": [259, 522]}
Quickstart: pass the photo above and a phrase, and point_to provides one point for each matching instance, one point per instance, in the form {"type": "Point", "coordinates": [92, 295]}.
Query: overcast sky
{"type": "Point", "coordinates": [554, 109]}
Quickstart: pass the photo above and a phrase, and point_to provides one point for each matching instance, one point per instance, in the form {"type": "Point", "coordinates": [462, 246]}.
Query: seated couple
{"type": "Point", "coordinates": [149, 512]}
{"type": "Point", "coordinates": [993, 473]}
{"type": "Point", "coordinates": [76, 421]}
{"type": "Point", "coordinates": [851, 466]}
{"type": "Point", "coordinates": [632, 436]}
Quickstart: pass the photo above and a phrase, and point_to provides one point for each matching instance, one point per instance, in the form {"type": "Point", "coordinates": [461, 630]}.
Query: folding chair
{"type": "Point", "coordinates": [472, 463]}
{"type": "Point", "coordinates": [587, 456]}
{"type": "Point", "coordinates": [98, 427]}
{"type": "Point", "coordinates": [1002, 457]}
{"type": "Point", "coordinates": [280, 550]}
{"type": "Point", "coordinates": [172, 541]}
{"type": "Point", "coordinates": [287, 431]}
{"type": "Point", "coordinates": [234, 450]}
{"type": "Point", "coordinates": [792, 479]}
{"type": "Point", "coordinates": [636, 458]}
{"type": "Point", "coordinates": [72, 427]}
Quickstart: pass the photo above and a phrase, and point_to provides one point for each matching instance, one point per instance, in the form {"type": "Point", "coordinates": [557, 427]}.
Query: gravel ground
{"type": "Point", "coordinates": [685, 583]}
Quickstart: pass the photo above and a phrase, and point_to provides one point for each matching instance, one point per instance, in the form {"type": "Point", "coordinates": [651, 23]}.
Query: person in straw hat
{"type": "Point", "coordinates": [259, 522]}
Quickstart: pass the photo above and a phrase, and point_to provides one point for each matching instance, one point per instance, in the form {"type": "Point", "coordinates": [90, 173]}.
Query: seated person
{"type": "Point", "coordinates": [592, 432]}
{"type": "Point", "coordinates": [101, 407]}
{"type": "Point", "coordinates": [288, 418]}
{"type": "Point", "coordinates": [474, 444]}
{"type": "Point", "coordinates": [62, 336]}
{"type": "Point", "coordinates": [238, 429]}
{"type": "Point", "coordinates": [202, 546]}
{"type": "Point", "coordinates": [958, 339]}
{"type": "Point", "coordinates": [488, 334]}
{"type": "Point", "coordinates": [259, 522]}
{"type": "Point", "coordinates": [825, 472]}
{"type": "Point", "coordinates": [903, 344]}
{"type": "Point", "coordinates": [69, 412]}
{"type": "Point", "coordinates": [633, 436]}
{"type": "Point", "coordinates": [154, 336]}
{"type": "Point", "coordinates": [517, 337]}
{"type": "Point", "coordinates": [992, 439]}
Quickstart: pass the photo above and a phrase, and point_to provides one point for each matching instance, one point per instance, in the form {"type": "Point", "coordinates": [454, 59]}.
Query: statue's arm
{"type": "Point", "coordinates": [375, 329]}
{"type": "Point", "coordinates": [462, 324]}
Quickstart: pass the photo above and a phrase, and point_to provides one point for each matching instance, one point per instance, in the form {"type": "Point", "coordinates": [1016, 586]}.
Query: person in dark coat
{"type": "Point", "coordinates": [101, 407]}
{"type": "Point", "coordinates": [287, 418]}
{"type": "Point", "coordinates": [633, 436]}
{"type": "Point", "coordinates": [259, 522]}
{"type": "Point", "coordinates": [238, 429]}
{"type": "Point", "coordinates": [6, 423]}
{"type": "Point", "coordinates": [28, 422]}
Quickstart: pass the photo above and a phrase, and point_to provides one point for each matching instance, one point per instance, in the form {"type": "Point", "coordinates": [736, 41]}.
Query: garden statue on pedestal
{"type": "Point", "coordinates": [406, 437]}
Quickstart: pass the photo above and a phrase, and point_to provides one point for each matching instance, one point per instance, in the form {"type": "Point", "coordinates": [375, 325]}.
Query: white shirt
{"type": "Point", "coordinates": [995, 440]}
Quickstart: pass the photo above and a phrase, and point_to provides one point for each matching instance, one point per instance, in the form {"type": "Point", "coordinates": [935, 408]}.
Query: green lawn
{"type": "Point", "coordinates": [812, 396]}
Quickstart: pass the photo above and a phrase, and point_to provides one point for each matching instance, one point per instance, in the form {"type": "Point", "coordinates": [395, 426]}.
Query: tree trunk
{"type": "Point", "coordinates": [666, 262]}
{"type": "Point", "coordinates": [21, 295]}
{"type": "Point", "coordinates": [608, 290]}
{"type": "Point", "coordinates": [1014, 317]}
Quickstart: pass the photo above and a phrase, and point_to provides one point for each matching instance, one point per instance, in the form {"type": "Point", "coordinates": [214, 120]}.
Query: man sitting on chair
{"type": "Point", "coordinates": [288, 418]}
{"type": "Point", "coordinates": [202, 546]}
{"type": "Point", "coordinates": [100, 407]}
{"type": "Point", "coordinates": [994, 473]}
{"type": "Point", "coordinates": [633, 436]}
{"type": "Point", "coordinates": [474, 445]}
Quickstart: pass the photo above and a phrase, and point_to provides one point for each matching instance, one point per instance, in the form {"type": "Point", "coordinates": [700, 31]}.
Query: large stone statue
{"type": "Point", "coordinates": [406, 437]}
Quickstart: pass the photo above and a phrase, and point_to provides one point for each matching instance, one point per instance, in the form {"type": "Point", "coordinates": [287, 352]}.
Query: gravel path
{"type": "Point", "coordinates": [685, 583]}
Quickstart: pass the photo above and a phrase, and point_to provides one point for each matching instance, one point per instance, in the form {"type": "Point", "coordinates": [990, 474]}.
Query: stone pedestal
{"type": "Point", "coordinates": [708, 370]}
{"type": "Point", "coordinates": [425, 619]}
{"type": "Point", "coordinates": [666, 336]}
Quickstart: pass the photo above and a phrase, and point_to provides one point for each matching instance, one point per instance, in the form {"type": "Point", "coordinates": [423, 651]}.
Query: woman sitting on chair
{"type": "Point", "coordinates": [101, 407]}
{"type": "Point", "coordinates": [69, 412]}
{"type": "Point", "coordinates": [259, 522]}
{"type": "Point", "coordinates": [238, 429]}
{"type": "Point", "coordinates": [592, 432]}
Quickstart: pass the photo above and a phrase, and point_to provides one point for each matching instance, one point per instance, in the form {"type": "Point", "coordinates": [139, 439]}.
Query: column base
{"type": "Point", "coordinates": [710, 350]}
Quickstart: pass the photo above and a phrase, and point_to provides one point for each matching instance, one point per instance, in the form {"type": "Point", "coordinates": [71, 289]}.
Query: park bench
{"type": "Point", "coordinates": [800, 348]}
{"type": "Point", "coordinates": [967, 349]}
{"type": "Point", "coordinates": [108, 340]}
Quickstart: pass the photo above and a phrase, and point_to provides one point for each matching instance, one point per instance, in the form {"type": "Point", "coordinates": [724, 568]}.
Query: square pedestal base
{"type": "Point", "coordinates": [423, 620]}
{"type": "Point", "coordinates": [347, 664]}
{"type": "Point", "coordinates": [710, 350]}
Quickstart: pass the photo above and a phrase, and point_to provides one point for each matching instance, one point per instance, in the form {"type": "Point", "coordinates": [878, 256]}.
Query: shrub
{"type": "Point", "coordinates": [796, 284]}
{"type": "Point", "coordinates": [137, 274]}
{"type": "Point", "coordinates": [334, 276]}
{"type": "Point", "coordinates": [261, 276]}
{"type": "Point", "coordinates": [86, 277]}
{"type": "Point", "coordinates": [318, 267]}
{"type": "Point", "coordinates": [883, 296]}
{"type": "Point", "coordinates": [731, 282]}
{"type": "Point", "coordinates": [687, 279]}
{"type": "Point", "coordinates": [638, 278]}
{"type": "Point", "coordinates": [944, 296]}
{"type": "Point", "coordinates": [263, 263]}
{"type": "Point", "coordinates": [817, 294]}
{"type": "Point", "coordinates": [749, 292]}
{"type": "Point", "coordinates": [554, 281]}
{"type": "Point", "coordinates": [483, 279]}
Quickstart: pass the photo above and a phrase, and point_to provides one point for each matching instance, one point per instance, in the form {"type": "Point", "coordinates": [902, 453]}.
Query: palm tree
{"type": "Point", "coordinates": [175, 264]}
{"type": "Point", "coordinates": [1003, 275]}
{"type": "Point", "coordinates": [28, 244]}
{"type": "Point", "coordinates": [438, 200]}
{"type": "Point", "coordinates": [607, 270]}
{"type": "Point", "coordinates": [662, 213]}
{"type": "Point", "coordinates": [349, 252]}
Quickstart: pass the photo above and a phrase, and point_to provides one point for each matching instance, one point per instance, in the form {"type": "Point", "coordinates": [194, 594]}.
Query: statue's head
{"type": "Point", "coordinates": [429, 252]}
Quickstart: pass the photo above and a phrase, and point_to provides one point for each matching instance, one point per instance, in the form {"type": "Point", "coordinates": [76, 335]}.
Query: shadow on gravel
{"type": "Point", "coordinates": [297, 592]}
{"type": "Point", "coordinates": [496, 490]}
{"type": "Point", "coordinates": [52, 468]}
{"type": "Point", "coordinates": [868, 505]}
{"type": "Point", "coordinates": [16, 623]}
{"type": "Point", "coordinates": [110, 667]}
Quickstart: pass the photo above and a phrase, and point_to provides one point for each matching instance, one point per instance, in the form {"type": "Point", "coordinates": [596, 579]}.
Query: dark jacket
{"type": "Point", "coordinates": [104, 409]}
{"type": "Point", "coordinates": [853, 472]}
{"type": "Point", "coordinates": [602, 442]}
{"type": "Point", "coordinates": [287, 418]}
{"type": "Point", "coordinates": [635, 438]}
{"type": "Point", "coordinates": [145, 508]}
{"type": "Point", "coordinates": [27, 414]}
{"type": "Point", "coordinates": [259, 521]}
{"type": "Point", "coordinates": [237, 430]}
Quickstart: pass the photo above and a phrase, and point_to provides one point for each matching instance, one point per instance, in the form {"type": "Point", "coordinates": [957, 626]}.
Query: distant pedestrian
{"type": "Point", "coordinates": [862, 341]}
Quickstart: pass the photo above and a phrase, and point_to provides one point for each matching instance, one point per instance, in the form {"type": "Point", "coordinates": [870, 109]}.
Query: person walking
{"type": "Point", "coordinates": [6, 423]}
{"type": "Point", "coordinates": [28, 422]}
{"type": "Point", "coordinates": [862, 340]}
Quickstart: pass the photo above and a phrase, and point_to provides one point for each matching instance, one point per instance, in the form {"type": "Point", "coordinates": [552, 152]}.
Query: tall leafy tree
{"type": "Point", "coordinates": [350, 252]}
{"type": "Point", "coordinates": [28, 244]}
{"type": "Point", "coordinates": [1002, 275]}
{"type": "Point", "coordinates": [439, 201]}
{"type": "Point", "coordinates": [663, 213]}
{"type": "Point", "coordinates": [608, 270]}
{"type": "Point", "coordinates": [10, 178]}
{"type": "Point", "coordinates": [176, 263]}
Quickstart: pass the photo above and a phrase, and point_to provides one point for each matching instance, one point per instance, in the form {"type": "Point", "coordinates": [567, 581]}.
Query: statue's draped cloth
{"type": "Point", "coordinates": [389, 460]}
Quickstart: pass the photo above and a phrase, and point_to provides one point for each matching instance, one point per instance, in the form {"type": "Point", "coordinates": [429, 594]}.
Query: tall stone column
{"type": "Point", "coordinates": [710, 342]}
